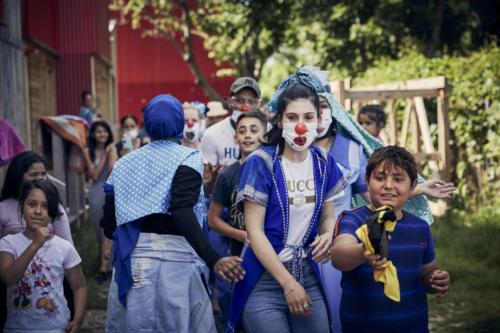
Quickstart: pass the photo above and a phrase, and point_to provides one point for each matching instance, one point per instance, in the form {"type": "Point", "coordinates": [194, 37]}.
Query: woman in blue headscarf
{"type": "Point", "coordinates": [154, 213]}
{"type": "Point", "coordinates": [343, 138]}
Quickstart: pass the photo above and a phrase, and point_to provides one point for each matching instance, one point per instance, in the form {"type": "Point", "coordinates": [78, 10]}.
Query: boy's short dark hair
{"type": "Point", "coordinates": [375, 112]}
{"type": "Point", "coordinates": [50, 192]}
{"type": "Point", "coordinates": [393, 156]}
{"type": "Point", "coordinates": [253, 114]}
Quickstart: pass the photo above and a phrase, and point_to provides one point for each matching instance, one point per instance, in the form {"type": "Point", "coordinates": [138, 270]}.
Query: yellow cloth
{"type": "Point", "coordinates": [389, 275]}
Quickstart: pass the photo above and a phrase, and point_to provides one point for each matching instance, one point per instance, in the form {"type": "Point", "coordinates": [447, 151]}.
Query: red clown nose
{"type": "Point", "coordinates": [300, 128]}
{"type": "Point", "coordinates": [190, 123]}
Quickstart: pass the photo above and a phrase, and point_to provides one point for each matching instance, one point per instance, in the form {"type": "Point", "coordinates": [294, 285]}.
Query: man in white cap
{"type": "Point", "coordinates": [217, 145]}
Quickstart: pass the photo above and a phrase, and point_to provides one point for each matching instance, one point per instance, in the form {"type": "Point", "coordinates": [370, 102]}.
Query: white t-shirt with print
{"type": "Point", "coordinates": [36, 302]}
{"type": "Point", "coordinates": [218, 146]}
{"type": "Point", "coordinates": [301, 198]}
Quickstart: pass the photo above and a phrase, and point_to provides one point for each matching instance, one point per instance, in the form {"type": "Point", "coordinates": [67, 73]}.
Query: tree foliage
{"type": "Point", "coordinates": [356, 33]}
{"type": "Point", "coordinates": [474, 113]}
{"type": "Point", "coordinates": [345, 35]}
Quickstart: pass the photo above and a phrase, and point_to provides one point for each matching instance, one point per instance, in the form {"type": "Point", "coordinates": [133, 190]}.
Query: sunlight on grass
{"type": "Point", "coordinates": [467, 246]}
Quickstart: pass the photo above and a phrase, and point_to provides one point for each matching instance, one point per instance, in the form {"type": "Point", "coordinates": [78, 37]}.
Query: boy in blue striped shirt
{"type": "Point", "coordinates": [391, 175]}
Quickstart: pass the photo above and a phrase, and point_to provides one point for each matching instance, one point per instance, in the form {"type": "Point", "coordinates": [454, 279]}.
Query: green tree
{"type": "Point", "coordinates": [244, 33]}
{"type": "Point", "coordinates": [347, 36]}
{"type": "Point", "coordinates": [356, 33]}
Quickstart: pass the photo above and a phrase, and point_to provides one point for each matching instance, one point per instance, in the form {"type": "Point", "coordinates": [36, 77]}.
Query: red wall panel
{"type": "Point", "coordinates": [149, 66]}
{"type": "Point", "coordinates": [40, 22]}
{"type": "Point", "coordinates": [83, 31]}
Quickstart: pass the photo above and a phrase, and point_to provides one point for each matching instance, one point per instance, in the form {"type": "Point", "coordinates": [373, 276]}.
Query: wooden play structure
{"type": "Point", "coordinates": [415, 120]}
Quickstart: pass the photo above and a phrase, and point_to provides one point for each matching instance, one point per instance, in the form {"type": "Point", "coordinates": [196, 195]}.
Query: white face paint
{"type": "Point", "coordinates": [299, 136]}
{"type": "Point", "coordinates": [326, 121]}
{"type": "Point", "coordinates": [192, 134]}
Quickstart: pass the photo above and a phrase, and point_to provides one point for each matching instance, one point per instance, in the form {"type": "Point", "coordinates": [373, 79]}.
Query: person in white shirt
{"type": "Point", "coordinates": [217, 145]}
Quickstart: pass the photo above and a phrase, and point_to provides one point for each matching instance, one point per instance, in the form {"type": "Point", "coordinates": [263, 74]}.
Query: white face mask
{"type": "Point", "coordinates": [132, 133]}
{"type": "Point", "coordinates": [303, 139]}
{"type": "Point", "coordinates": [236, 114]}
{"type": "Point", "coordinates": [326, 121]}
{"type": "Point", "coordinates": [192, 134]}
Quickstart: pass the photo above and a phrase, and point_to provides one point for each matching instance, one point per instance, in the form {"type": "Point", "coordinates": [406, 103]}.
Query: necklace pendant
{"type": "Point", "coordinates": [299, 200]}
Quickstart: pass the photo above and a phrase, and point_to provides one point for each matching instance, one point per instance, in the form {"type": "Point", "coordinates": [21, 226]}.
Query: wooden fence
{"type": "Point", "coordinates": [415, 120]}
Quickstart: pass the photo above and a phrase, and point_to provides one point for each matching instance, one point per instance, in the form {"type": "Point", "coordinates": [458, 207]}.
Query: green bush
{"type": "Point", "coordinates": [474, 114]}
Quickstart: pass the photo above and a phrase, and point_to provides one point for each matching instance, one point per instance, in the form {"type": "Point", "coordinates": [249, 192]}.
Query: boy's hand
{"type": "Point", "coordinates": [229, 269]}
{"type": "Point", "coordinates": [321, 247]}
{"type": "Point", "coordinates": [214, 171]}
{"type": "Point", "coordinates": [436, 188]}
{"type": "Point", "coordinates": [375, 261]}
{"type": "Point", "coordinates": [41, 235]}
{"type": "Point", "coordinates": [439, 283]}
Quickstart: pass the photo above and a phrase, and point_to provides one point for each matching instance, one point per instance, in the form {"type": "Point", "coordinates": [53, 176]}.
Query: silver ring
{"type": "Point", "coordinates": [305, 305]}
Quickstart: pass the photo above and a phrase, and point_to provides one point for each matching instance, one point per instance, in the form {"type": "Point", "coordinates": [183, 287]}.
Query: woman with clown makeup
{"type": "Point", "coordinates": [286, 191]}
{"type": "Point", "coordinates": [343, 139]}
{"type": "Point", "coordinates": [192, 126]}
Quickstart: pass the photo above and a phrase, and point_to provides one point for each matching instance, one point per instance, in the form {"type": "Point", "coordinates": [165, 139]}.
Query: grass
{"type": "Point", "coordinates": [466, 245]}
{"type": "Point", "coordinates": [86, 244]}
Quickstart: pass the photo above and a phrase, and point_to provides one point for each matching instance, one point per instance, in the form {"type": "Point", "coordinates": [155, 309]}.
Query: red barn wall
{"type": "Point", "coordinates": [83, 31]}
{"type": "Point", "coordinates": [40, 22]}
{"type": "Point", "coordinates": [150, 66]}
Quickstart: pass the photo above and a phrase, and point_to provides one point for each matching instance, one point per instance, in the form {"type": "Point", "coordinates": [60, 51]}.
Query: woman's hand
{"type": "Point", "coordinates": [322, 247]}
{"type": "Point", "coordinates": [297, 299]}
{"type": "Point", "coordinates": [436, 188]}
{"type": "Point", "coordinates": [229, 269]}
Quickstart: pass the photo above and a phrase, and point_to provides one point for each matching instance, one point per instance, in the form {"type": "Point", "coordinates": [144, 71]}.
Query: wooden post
{"type": "Point", "coordinates": [415, 141]}
{"type": "Point", "coordinates": [423, 123]}
{"type": "Point", "coordinates": [338, 91]}
{"type": "Point", "coordinates": [356, 106]}
{"type": "Point", "coordinates": [443, 133]}
{"type": "Point", "coordinates": [347, 101]}
{"type": "Point", "coordinates": [406, 123]}
{"type": "Point", "coordinates": [393, 134]}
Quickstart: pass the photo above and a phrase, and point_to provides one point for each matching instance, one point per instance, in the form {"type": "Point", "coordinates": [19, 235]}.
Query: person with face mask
{"type": "Point", "coordinates": [192, 126]}
{"type": "Point", "coordinates": [217, 145]}
{"type": "Point", "coordinates": [286, 191]}
{"type": "Point", "coordinates": [342, 137]}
